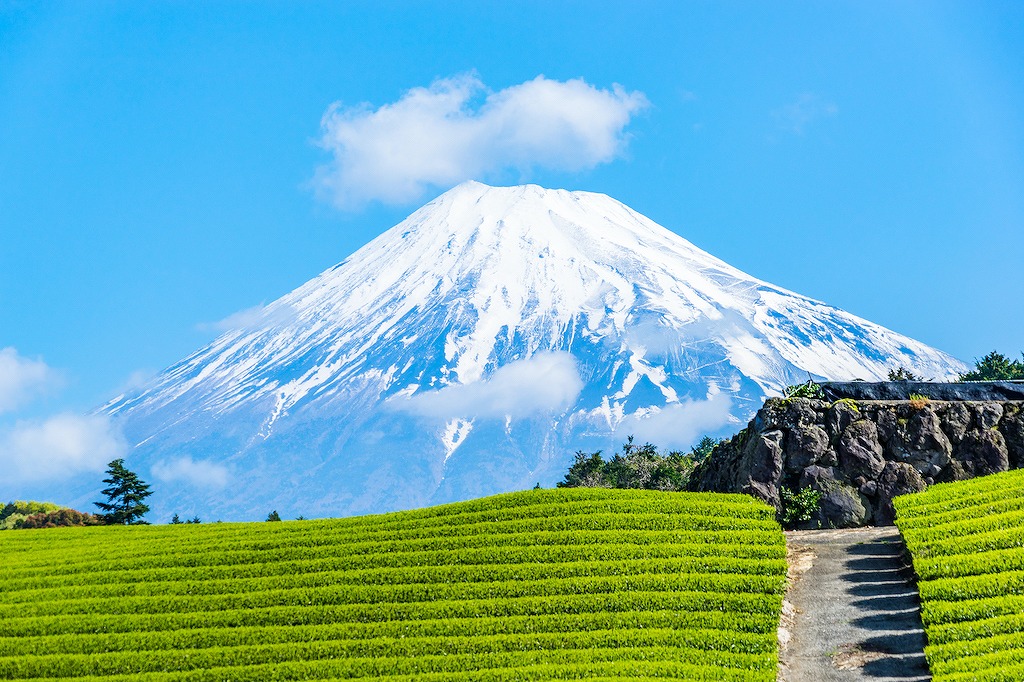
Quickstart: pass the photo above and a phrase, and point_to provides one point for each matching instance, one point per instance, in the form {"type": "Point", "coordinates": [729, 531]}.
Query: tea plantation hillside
{"type": "Point", "coordinates": [545, 584]}
{"type": "Point", "coordinates": [967, 541]}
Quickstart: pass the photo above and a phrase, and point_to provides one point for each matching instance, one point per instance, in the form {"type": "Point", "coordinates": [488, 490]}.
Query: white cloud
{"type": "Point", "coordinates": [679, 425]}
{"type": "Point", "coordinates": [807, 108]}
{"type": "Point", "coordinates": [250, 318]}
{"type": "Point", "coordinates": [58, 447]}
{"type": "Point", "coordinates": [655, 337]}
{"type": "Point", "coordinates": [444, 134]}
{"type": "Point", "coordinates": [200, 473]}
{"type": "Point", "coordinates": [137, 380]}
{"type": "Point", "coordinates": [22, 379]}
{"type": "Point", "coordinates": [545, 383]}
{"type": "Point", "coordinates": [238, 320]}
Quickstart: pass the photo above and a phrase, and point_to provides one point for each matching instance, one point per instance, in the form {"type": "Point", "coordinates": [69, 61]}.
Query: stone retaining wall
{"type": "Point", "coordinates": [861, 454]}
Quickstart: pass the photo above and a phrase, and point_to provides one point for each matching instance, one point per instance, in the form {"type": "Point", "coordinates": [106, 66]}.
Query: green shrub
{"type": "Point", "coordinates": [808, 389]}
{"type": "Point", "coordinates": [703, 449]}
{"type": "Point", "coordinates": [639, 466]}
{"type": "Point", "coordinates": [995, 367]}
{"type": "Point", "coordinates": [13, 521]}
{"type": "Point", "coordinates": [61, 517]}
{"type": "Point", "coordinates": [13, 514]}
{"type": "Point", "coordinates": [799, 506]}
{"type": "Point", "coordinates": [901, 373]}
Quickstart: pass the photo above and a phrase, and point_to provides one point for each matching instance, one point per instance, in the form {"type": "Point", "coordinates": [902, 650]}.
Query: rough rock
{"type": "Point", "coordinates": [843, 507]}
{"type": "Point", "coordinates": [988, 415]}
{"type": "Point", "coordinates": [839, 416]}
{"type": "Point", "coordinates": [983, 452]}
{"type": "Point", "coordinates": [809, 446]}
{"type": "Point", "coordinates": [861, 454]}
{"type": "Point", "coordinates": [898, 478]}
{"type": "Point", "coordinates": [920, 441]}
{"type": "Point", "coordinates": [956, 421]}
{"type": "Point", "coordinates": [1012, 428]}
{"type": "Point", "coordinates": [765, 458]}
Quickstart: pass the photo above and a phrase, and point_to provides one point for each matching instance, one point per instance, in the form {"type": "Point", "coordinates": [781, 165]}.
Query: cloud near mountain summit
{"type": "Point", "coordinates": [547, 382]}
{"type": "Point", "coordinates": [456, 130]}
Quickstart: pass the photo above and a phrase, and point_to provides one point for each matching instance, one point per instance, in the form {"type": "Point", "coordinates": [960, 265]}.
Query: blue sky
{"type": "Point", "coordinates": [157, 160]}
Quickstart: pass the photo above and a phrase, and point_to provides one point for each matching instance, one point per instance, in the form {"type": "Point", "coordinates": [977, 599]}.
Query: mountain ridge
{"type": "Point", "coordinates": [488, 287]}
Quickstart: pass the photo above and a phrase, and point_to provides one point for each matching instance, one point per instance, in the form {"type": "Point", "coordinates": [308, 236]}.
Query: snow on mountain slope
{"type": "Point", "coordinates": [473, 347]}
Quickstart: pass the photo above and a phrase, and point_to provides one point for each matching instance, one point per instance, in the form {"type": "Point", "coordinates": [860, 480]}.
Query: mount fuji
{"type": "Point", "coordinates": [471, 349]}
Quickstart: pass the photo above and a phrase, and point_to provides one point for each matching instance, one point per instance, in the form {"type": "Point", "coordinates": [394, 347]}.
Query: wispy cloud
{"type": "Point", "coordinates": [137, 380]}
{"type": "Point", "coordinates": [237, 320]}
{"type": "Point", "coordinates": [58, 447]}
{"type": "Point", "coordinates": [545, 383]}
{"type": "Point", "coordinates": [803, 111]}
{"type": "Point", "coordinates": [22, 379]}
{"type": "Point", "coordinates": [198, 473]}
{"type": "Point", "coordinates": [679, 425]}
{"type": "Point", "coordinates": [456, 130]}
{"type": "Point", "coordinates": [258, 315]}
{"type": "Point", "coordinates": [655, 337]}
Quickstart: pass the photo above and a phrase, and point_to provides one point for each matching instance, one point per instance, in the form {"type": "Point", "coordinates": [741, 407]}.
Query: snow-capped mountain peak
{"type": "Point", "coordinates": [475, 345]}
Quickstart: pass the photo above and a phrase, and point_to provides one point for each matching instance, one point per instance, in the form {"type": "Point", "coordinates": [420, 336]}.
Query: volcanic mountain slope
{"type": "Point", "coordinates": [471, 349]}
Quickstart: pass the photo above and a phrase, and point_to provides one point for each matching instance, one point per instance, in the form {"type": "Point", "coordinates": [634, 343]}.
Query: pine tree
{"type": "Point", "coordinates": [995, 367]}
{"type": "Point", "coordinates": [125, 493]}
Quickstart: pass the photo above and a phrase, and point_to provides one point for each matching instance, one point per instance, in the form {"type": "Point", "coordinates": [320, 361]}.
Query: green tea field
{"type": "Point", "coordinates": [545, 584]}
{"type": "Point", "coordinates": [967, 542]}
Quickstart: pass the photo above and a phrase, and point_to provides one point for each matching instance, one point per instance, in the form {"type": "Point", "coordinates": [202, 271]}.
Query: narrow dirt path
{"type": "Point", "coordinates": [852, 610]}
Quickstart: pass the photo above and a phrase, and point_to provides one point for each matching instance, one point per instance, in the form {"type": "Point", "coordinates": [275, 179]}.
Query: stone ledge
{"type": "Point", "coordinates": [902, 390]}
{"type": "Point", "coordinates": [860, 454]}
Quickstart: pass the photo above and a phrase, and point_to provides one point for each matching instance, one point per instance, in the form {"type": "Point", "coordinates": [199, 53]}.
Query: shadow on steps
{"type": "Point", "coordinates": [882, 579]}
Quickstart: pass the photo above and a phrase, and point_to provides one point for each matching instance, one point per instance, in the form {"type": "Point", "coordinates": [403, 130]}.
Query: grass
{"type": "Point", "coordinates": [545, 584]}
{"type": "Point", "coordinates": [967, 542]}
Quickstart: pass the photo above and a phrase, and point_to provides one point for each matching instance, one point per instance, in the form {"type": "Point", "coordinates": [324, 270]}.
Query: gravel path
{"type": "Point", "coordinates": [852, 610]}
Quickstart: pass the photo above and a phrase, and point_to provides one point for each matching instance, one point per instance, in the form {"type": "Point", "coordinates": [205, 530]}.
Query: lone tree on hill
{"type": "Point", "coordinates": [125, 493]}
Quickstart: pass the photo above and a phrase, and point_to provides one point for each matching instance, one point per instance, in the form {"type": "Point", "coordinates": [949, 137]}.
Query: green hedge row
{"type": "Point", "coordinates": [967, 543]}
{"type": "Point", "coordinates": [559, 584]}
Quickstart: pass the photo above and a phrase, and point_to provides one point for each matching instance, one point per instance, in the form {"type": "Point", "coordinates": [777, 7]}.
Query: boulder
{"type": "Point", "coordinates": [819, 478]}
{"type": "Point", "coordinates": [897, 478]}
{"type": "Point", "coordinates": [987, 415]}
{"type": "Point", "coordinates": [1012, 428]}
{"type": "Point", "coordinates": [801, 413]}
{"type": "Point", "coordinates": [840, 415]}
{"type": "Point", "coordinates": [860, 452]}
{"type": "Point", "coordinates": [771, 416]}
{"type": "Point", "coordinates": [843, 507]}
{"type": "Point", "coordinates": [859, 455]}
{"type": "Point", "coordinates": [762, 467]}
{"type": "Point", "coordinates": [920, 441]}
{"type": "Point", "coordinates": [808, 446]}
{"type": "Point", "coordinates": [956, 420]}
{"type": "Point", "coordinates": [769, 494]}
{"type": "Point", "coordinates": [887, 424]}
{"type": "Point", "coordinates": [983, 452]}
